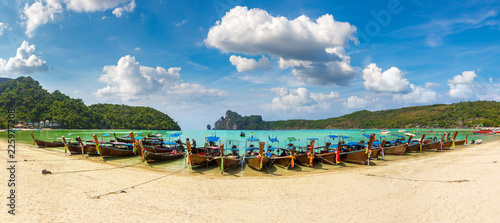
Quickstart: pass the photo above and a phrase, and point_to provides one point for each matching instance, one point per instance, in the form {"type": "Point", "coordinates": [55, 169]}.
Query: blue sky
{"type": "Point", "coordinates": [280, 59]}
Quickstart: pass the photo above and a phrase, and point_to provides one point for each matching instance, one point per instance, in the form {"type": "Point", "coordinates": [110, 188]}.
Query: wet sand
{"type": "Point", "coordinates": [462, 185]}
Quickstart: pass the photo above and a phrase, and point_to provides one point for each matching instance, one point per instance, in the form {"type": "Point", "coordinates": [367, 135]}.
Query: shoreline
{"type": "Point", "coordinates": [460, 186]}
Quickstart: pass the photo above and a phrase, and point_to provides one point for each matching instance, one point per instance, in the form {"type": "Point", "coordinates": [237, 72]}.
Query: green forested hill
{"type": "Point", "coordinates": [34, 103]}
{"type": "Point", "coordinates": [458, 115]}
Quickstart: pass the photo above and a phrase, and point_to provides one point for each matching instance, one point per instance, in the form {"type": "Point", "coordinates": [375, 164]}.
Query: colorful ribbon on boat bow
{"type": "Point", "coordinates": [337, 156]}
{"type": "Point", "coordinates": [311, 158]}
{"type": "Point", "coordinates": [65, 147]}
{"type": "Point", "coordinates": [292, 163]}
{"type": "Point", "coordinates": [260, 161]}
{"type": "Point", "coordinates": [97, 151]}
{"type": "Point", "coordinates": [135, 147]}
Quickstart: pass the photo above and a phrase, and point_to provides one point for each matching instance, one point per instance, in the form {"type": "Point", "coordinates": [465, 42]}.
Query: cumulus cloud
{"type": "Point", "coordinates": [296, 43]}
{"type": "Point", "coordinates": [25, 62]}
{"type": "Point", "coordinates": [391, 80]}
{"type": "Point", "coordinates": [463, 86]}
{"type": "Point", "coordinates": [245, 64]}
{"type": "Point", "coordinates": [300, 100]}
{"type": "Point", "coordinates": [43, 12]}
{"type": "Point", "coordinates": [129, 80]}
{"type": "Point", "coordinates": [118, 12]}
{"type": "Point", "coordinates": [39, 13]}
{"type": "Point", "coordinates": [355, 102]}
{"type": "Point", "coordinates": [417, 95]}
{"type": "Point", "coordinates": [431, 85]}
{"type": "Point", "coordinates": [2, 27]}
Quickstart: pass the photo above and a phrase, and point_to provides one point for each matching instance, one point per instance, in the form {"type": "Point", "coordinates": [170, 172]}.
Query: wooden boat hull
{"type": "Point", "coordinates": [158, 157]}
{"type": "Point", "coordinates": [282, 161]}
{"type": "Point", "coordinates": [44, 144]}
{"type": "Point", "coordinates": [229, 162]}
{"type": "Point", "coordinates": [460, 142]}
{"type": "Point", "coordinates": [376, 153]}
{"type": "Point", "coordinates": [114, 152]}
{"type": "Point", "coordinates": [200, 160]}
{"type": "Point", "coordinates": [358, 157]}
{"type": "Point", "coordinates": [413, 148]}
{"type": "Point", "coordinates": [253, 162]}
{"type": "Point", "coordinates": [302, 159]}
{"type": "Point", "coordinates": [446, 145]}
{"type": "Point", "coordinates": [75, 150]}
{"type": "Point", "coordinates": [431, 147]}
{"type": "Point", "coordinates": [395, 150]}
{"type": "Point", "coordinates": [325, 158]}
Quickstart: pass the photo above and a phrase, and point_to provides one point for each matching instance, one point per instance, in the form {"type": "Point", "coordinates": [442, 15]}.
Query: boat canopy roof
{"type": "Point", "coordinates": [105, 134]}
{"type": "Point", "coordinates": [367, 136]}
{"type": "Point", "coordinates": [232, 149]}
{"type": "Point", "coordinates": [345, 137]}
{"type": "Point", "coordinates": [291, 139]}
{"type": "Point", "coordinates": [101, 142]}
{"type": "Point", "coordinates": [312, 139]}
{"type": "Point", "coordinates": [170, 143]}
{"type": "Point", "coordinates": [252, 148]}
{"type": "Point", "coordinates": [334, 146]}
{"type": "Point", "coordinates": [253, 139]}
{"type": "Point", "coordinates": [272, 148]}
{"type": "Point", "coordinates": [176, 134]}
{"type": "Point", "coordinates": [273, 140]}
{"type": "Point", "coordinates": [119, 143]}
{"type": "Point", "coordinates": [333, 136]}
{"type": "Point", "coordinates": [212, 139]}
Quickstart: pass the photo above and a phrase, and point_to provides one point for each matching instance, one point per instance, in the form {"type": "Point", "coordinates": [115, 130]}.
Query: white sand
{"type": "Point", "coordinates": [456, 186]}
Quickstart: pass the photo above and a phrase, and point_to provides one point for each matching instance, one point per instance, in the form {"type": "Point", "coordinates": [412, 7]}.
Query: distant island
{"type": "Point", "coordinates": [37, 108]}
{"type": "Point", "coordinates": [458, 115]}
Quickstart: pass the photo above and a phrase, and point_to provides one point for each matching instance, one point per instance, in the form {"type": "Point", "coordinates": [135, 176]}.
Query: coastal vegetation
{"type": "Point", "coordinates": [33, 103]}
{"type": "Point", "coordinates": [458, 115]}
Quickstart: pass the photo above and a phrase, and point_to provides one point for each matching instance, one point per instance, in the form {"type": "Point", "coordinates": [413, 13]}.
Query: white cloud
{"type": "Point", "coordinates": [463, 86]}
{"type": "Point", "coordinates": [38, 14]}
{"type": "Point", "coordinates": [296, 43]}
{"type": "Point", "coordinates": [181, 23]}
{"type": "Point", "coordinates": [2, 27]}
{"type": "Point", "coordinates": [245, 64]}
{"type": "Point", "coordinates": [354, 102]}
{"type": "Point", "coordinates": [300, 100]}
{"type": "Point", "coordinates": [417, 95]}
{"type": "Point", "coordinates": [129, 80]}
{"type": "Point", "coordinates": [118, 12]}
{"type": "Point", "coordinates": [187, 91]}
{"type": "Point", "coordinates": [25, 62]}
{"type": "Point", "coordinates": [137, 49]}
{"type": "Point", "coordinates": [391, 80]}
{"type": "Point", "coordinates": [431, 85]}
{"type": "Point", "coordinates": [43, 12]}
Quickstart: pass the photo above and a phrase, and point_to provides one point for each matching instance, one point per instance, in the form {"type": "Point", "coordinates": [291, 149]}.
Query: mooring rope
{"type": "Point", "coordinates": [408, 179]}
{"type": "Point", "coordinates": [136, 185]}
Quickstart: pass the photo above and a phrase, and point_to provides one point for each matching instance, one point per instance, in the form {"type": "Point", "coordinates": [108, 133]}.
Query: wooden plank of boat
{"type": "Point", "coordinates": [195, 159]}
{"type": "Point", "coordinates": [121, 139]}
{"type": "Point", "coordinates": [72, 148]}
{"type": "Point", "coordinates": [416, 146]}
{"type": "Point", "coordinates": [257, 162]}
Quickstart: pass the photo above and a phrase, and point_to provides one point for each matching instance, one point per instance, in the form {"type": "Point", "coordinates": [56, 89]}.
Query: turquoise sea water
{"type": "Point", "coordinates": [225, 135]}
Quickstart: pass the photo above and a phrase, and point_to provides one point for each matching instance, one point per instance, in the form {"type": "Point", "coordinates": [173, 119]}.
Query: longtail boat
{"type": "Point", "coordinates": [256, 160]}
{"type": "Point", "coordinates": [73, 149]}
{"type": "Point", "coordinates": [284, 159]}
{"type": "Point", "coordinates": [414, 146]}
{"type": "Point", "coordinates": [43, 144]}
{"type": "Point", "coordinates": [155, 156]}
{"type": "Point", "coordinates": [355, 152]}
{"type": "Point", "coordinates": [122, 139]}
{"type": "Point", "coordinates": [462, 142]}
{"type": "Point", "coordinates": [395, 149]}
{"type": "Point", "coordinates": [306, 158]}
{"type": "Point", "coordinates": [449, 142]}
{"type": "Point", "coordinates": [432, 146]}
{"type": "Point", "coordinates": [202, 156]}
{"type": "Point", "coordinates": [229, 161]}
{"type": "Point", "coordinates": [108, 151]}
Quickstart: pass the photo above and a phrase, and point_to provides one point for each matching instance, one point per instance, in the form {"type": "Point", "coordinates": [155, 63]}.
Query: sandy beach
{"type": "Point", "coordinates": [462, 185]}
